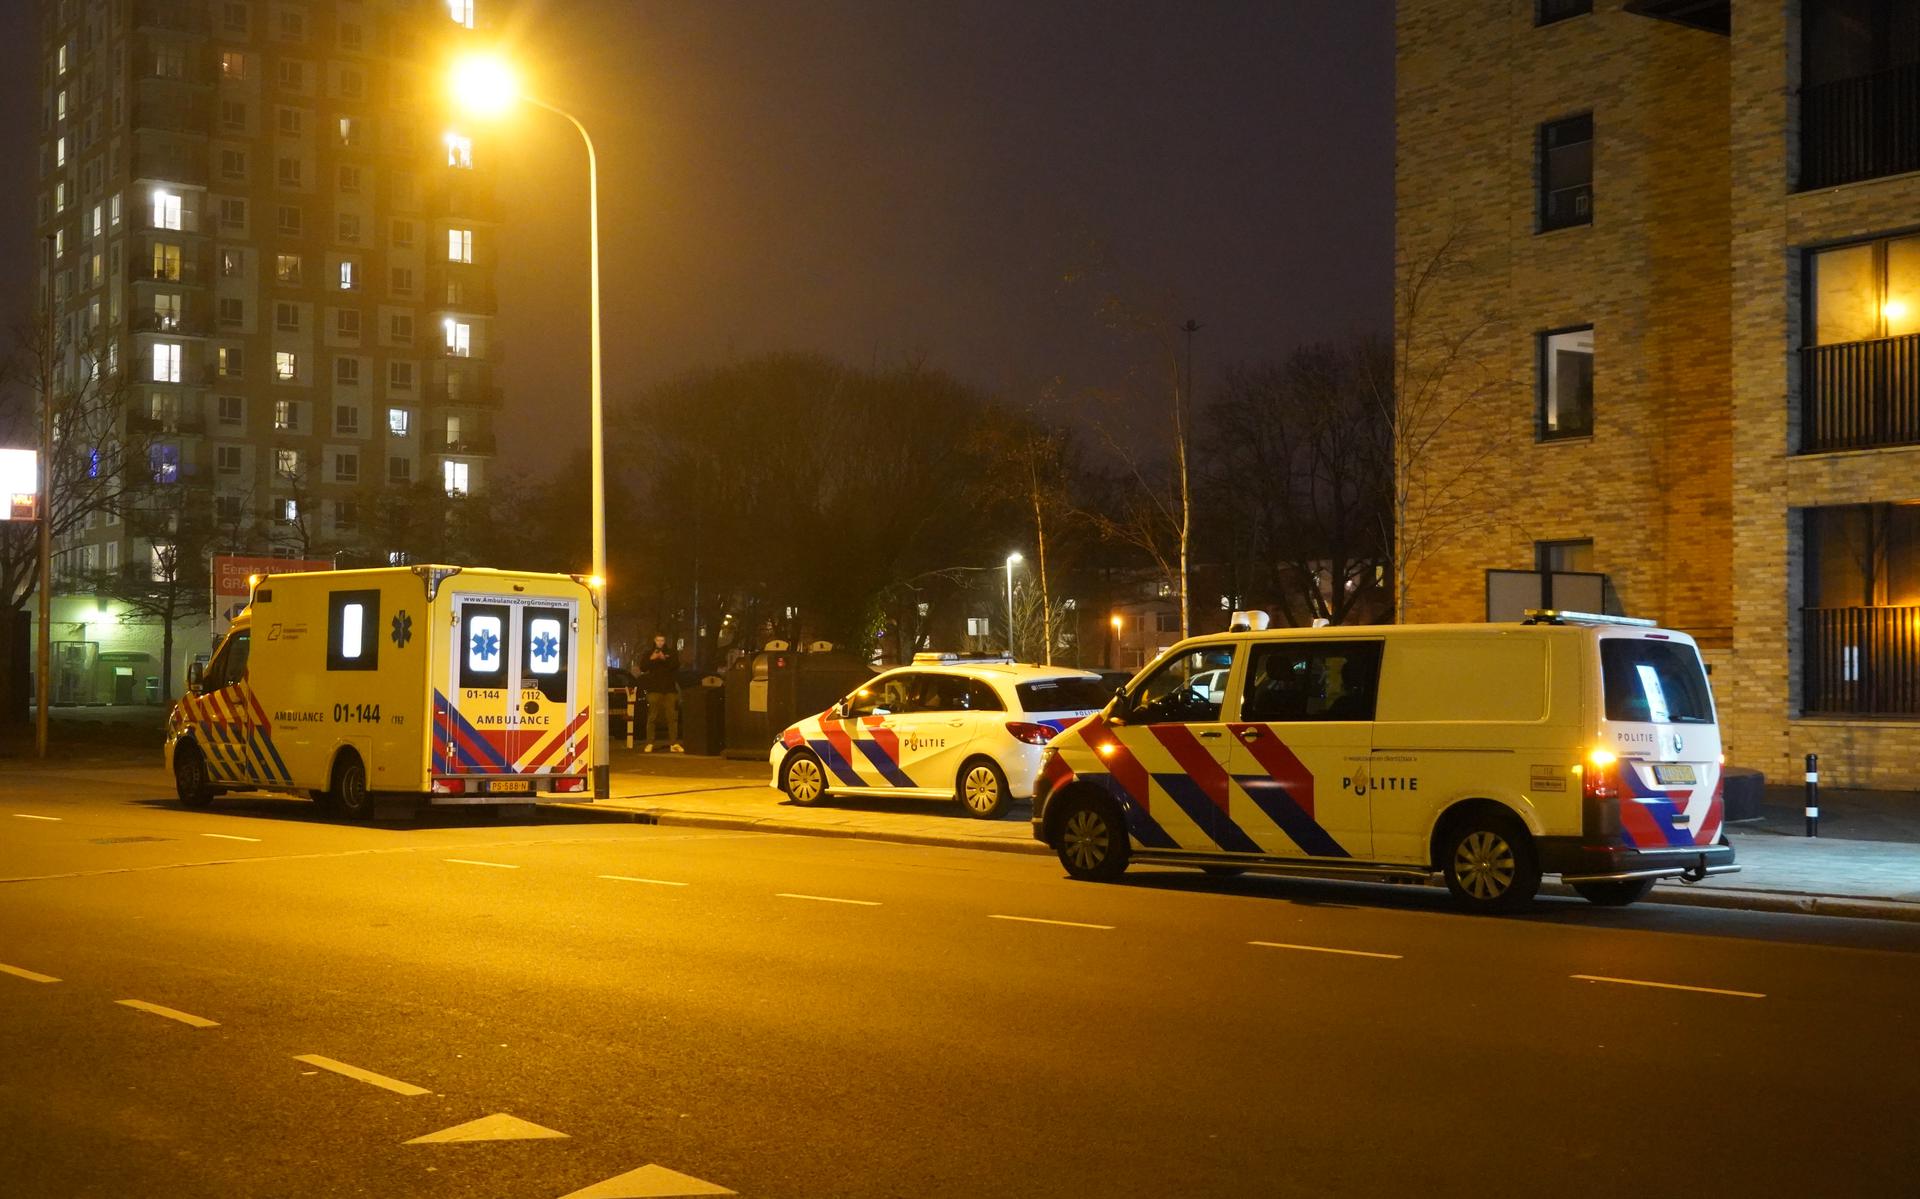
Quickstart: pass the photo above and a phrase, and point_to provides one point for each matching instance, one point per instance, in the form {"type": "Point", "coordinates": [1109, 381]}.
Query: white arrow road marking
{"type": "Point", "coordinates": [1640, 982]}
{"type": "Point", "coordinates": [628, 878]}
{"type": "Point", "coordinates": [649, 1182]}
{"type": "Point", "coordinates": [471, 862]}
{"type": "Point", "coordinates": [356, 1073]}
{"type": "Point", "coordinates": [30, 975]}
{"type": "Point", "coordinates": [169, 1013]}
{"type": "Point", "coordinates": [28, 816]}
{"type": "Point", "coordinates": [229, 837]}
{"type": "Point", "coordinates": [497, 1127]}
{"type": "Point", "coordinates": [1061, 923]}
{"type": "Point", "coordinates": [865, 903]}
{"type": "Point", "coordinates": [1354, 953]}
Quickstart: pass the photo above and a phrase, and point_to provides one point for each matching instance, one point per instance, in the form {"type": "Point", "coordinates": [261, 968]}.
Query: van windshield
{"type": "Point", "coordinates": [1654, 682]}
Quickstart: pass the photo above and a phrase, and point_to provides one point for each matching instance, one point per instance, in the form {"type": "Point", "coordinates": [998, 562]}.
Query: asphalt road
{"type": "Point", "coordinates": [793, 1016]}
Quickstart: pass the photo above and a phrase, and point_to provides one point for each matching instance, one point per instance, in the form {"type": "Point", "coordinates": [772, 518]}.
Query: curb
{"type": "Point", "coordinates": [1788, 902]}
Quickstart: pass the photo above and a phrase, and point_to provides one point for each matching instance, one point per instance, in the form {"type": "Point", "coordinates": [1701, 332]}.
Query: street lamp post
{"type": "Point", "coordinates": [1113, 638]}
{"type": "Point", "coordinates": [1011, 559]}
{"type": "Point", "coordinates": [487, 86]}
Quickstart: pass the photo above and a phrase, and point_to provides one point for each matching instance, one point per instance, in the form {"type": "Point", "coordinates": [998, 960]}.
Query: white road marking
{"type": "Point", "coordinates": [471, 862]}
{"type": "Point", "coordinates": [865, 903]}
{"type": "Point", "coordinates": [628, 878]}
{"type": "Point", "coordinates": [649, 1182]}
{"type": "Point", "coordinates": [169, 1013]}
{"type": "Point", "coordinates": [1061, 923]}
{"type": "Point", "coordinates": [1641, 982]}
{"type": "Point", "coordinates": [1354, 953]}
{"type": "Point", "coordinates": [229, 837]}
{"type": "Point", "coordinates": [359, 1075]}
{"type": "Point", "coordinates": [32, 976]}
{"type": "Point", "coordinates": [30, 816]}
{"type": "Point", "coordinates": [497, 1127]}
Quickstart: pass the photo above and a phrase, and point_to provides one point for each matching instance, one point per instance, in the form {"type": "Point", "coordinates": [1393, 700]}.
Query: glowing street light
{"type": "Point", "coordinates": [1012, 559]}
{"type": "Point", "coordinates": [486, 86]}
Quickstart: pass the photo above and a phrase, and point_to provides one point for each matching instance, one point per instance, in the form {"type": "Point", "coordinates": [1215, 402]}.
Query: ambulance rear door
{"type": "Point", "coordinates": [511, 705]}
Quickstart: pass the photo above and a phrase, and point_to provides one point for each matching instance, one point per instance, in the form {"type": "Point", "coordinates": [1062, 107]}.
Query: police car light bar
{"type": "Point", "coordinates": [1563, 616]}
{"type": "Point", "coordinates": [934, 657]}
{"type": "Point", "coordinates": [1251, 621]}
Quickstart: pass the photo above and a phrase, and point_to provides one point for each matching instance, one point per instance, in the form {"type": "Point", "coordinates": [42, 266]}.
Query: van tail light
{"type": "Point", "coordinates": [1054, 774]}
{"type": "Point", "coordinates": [449, 786]}
{"type": "Point", "coordinates": [568, 786]}
{"type": "Point", "coordinates": [1600, 796]}
{"type": "Point", "coordinates": [1032, 734]}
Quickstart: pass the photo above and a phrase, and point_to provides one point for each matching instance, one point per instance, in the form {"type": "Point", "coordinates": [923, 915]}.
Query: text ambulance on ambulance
{"type": "Point", "coordinates": [1572, 744]}
{"type": "Point", "coordinates": [454, 685]}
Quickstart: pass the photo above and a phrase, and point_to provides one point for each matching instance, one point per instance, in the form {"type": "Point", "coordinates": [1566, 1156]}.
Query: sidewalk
{"type": "Point", "coordinates": [1780, 870]}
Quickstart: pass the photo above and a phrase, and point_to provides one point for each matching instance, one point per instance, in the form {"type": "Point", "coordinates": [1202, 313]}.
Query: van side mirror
{"type": "Point", "coordinates": [195, 672]}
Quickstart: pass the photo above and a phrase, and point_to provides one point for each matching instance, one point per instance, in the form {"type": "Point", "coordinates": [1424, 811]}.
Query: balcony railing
{"type": "Point", "coordinates": [465, 443]}
{"type": "Point", "coordinates": [1861, 662]}
{"type": "Point", "coordinates": [1860, 394]}
{"type": "Point", "coordinates": [1860, 128]}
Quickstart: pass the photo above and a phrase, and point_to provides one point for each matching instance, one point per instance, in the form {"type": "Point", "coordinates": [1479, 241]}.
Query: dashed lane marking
{"type": "Point", "coordinates": [864, 903]}
{"type": "Point", "coordinates": [497, 1127]}
{"type": "Point", "coordinates": [31, 816]}
{"type": "Point", "coordinates": [32, 976]}
{"type": "Point", "coordinates": [170, 1013]}
{"type": "Point", "coordinates": [229, 837]}
{"type": "Point", "coordinates": [628, 878]}
{"type": "Point", "coordinates": [472, 862]}
{"type": "Point", "coordinates": [1641, 982]}
{"type": "Point", "coordinates": [1352, 953]}
{"type": "Point", "coordinates": [1061, 923]}
{"type": "Point", "coordinates": [649, 1182]}
{"type": "Point", "coordinates": [359, 1075]}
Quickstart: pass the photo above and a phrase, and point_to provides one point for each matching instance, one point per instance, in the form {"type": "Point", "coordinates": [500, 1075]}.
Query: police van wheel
{"type": "Point", "coordinates": [1489, 863]}
{"type": "Point", "coordinates": [190, 776]}
{"type": "Point", "coordinates": [350, 795]}
{"type": "Point", "coordinates": [803, 779]}
{"type": "Point", "coordinates": [1091, 841]}
{"type": "Point", "coordinates": [1614, 894]}
{"type": "Point", "coordinates": [983, 790]}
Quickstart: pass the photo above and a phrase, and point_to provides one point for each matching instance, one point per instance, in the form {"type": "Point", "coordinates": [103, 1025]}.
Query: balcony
{"type": "Point", "coordinates": [176, 163]}
{"type": "Point", "coordinates": [172, 115]}
{"type": "Point", "coordinates": [170, 16]}
{"type": "Point", "coordinates": [149, 321]}
{"type": "Point", "coordinates": [1861, 662]}
{"type": "Point", "coordinates": [1860, 394]}
{"type": "Point", "coordinates": [465, 443]}
{"type": "Point", "coordinates": [469, 397]}
{"type": "Point", "coordinates": [176, 423]}
{"type": "Point", "coordinates": [1860, 128]}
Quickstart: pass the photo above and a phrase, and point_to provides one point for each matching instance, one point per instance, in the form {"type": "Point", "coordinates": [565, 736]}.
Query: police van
{"type": "Point", "coordinates": [1572, 744]}
{"type": "Point", "coordinates": [455, 685]}
{"type": "Point", "coordinates": [944, 727]}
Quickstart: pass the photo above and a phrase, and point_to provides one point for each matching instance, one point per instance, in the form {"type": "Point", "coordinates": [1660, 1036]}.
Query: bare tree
{"type": "Point", "coordinates": [174, 518]}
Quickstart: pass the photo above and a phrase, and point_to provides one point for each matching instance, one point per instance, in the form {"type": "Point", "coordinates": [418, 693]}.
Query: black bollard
{"type": "Point", "coordinates": [1813, 795]}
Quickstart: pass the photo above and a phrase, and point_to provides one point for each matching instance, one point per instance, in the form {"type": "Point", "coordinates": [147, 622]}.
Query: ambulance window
{"type": "Point", "coordinates": [483, 643]}
{"type": "Point", "coordinates": [1188, 689]}
{"type": "Point", "coordinates": [353, 630]}
{"type": "Point", "coordinates": [546, 646]}
{"type": "Point", "coordinates": [1312, 680]}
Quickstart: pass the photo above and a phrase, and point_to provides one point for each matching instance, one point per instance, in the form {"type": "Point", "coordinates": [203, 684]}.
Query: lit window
{"type": "Point", "coordinates": [459, 337]}
{"type": "Point", "coordinates": [285, 366]}
{"type": "Point", "coordinates": [459, 245]}
{"type": "Point", "coordinates": [60, 59]}
{"type": "Point", "coordinates": [166, 362]}
{"type": "Point", "coordinates": [454, 474]}
{"type": "Point", "coordinates": [348, 131]}
{"type": "Point", "coordinates": [397, 420]}
{"type": "Point", "coordinates": [290, 510]}
{"type": "Point", "coordinates": [60, 151]}
{"type": "Point", "coordinates": [346, 276]}
{"type": "Point", "coordinates": [233, 65]}
{"type": "Point", "coordinates": [352, 617]}
{"type": "Point", "coordinates": [543, 645]}
{"type": "Point", "coordinates": [229, 360]}
{"type": "Point", "coordinates": [60, 105]}
{"type": "Point", "coordinates": [97, 226]}
{"type": "Point", "coordinates": [461, 10]}
{"type": "Point", "coordinates": [459, 151]}
{"type": "Point", "coordinates": [165, 462]}
{"type": "Point", "coordinates": [285, 415]}
{"type": "Point", "coordinates": [113, 209]}
{"type": "Point", "coordinates": [286, 268]}
{"type": "Point", "coordinates": [483, 644]}
{"type": "Point", "coordinates": [287, 462]}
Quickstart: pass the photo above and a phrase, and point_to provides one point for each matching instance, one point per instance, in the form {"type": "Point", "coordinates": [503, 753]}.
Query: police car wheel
{"type": "Point", "coordinates": [1489, 864]}
{"type": "Point", "coordinates": [1614, 894]}
{"type": "Point", "coordinates": [803, 780]}
{"type": "Point", "coordinates": [190, 776]}
{"type": "Point", "coordinates": [1092, 843]}
{"type": "Point", "coordinates": [983, 789]}
{"type": "Point", "coordinates": [350, 795]}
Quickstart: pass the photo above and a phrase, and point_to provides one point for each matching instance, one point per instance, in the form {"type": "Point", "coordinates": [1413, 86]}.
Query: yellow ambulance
{"type": "Point", "coordinates": [452, 685]}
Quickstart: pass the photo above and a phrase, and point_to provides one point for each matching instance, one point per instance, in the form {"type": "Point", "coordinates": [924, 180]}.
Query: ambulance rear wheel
{"type": "Point", "coordinates": [983, 790]}
{"type": "Point", "coordinates": [1091, 841]}
{"type": "Point", "coordinates": [190, 776]}
{"type": "Point", "coordinates": [350, 795]}
{"type": "Point", "coordinates": [803, 779]}
{"type": "Point", "coordinates": [1489, 862]}
{"type": "Point", "coordinates": [1614, 894]}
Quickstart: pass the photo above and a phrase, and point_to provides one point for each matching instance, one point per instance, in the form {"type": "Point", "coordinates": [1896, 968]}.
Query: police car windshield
{"type": "Point", "coordinates": [1654, 682]}
{"type": "Point", "coordinates": [1073, 693]}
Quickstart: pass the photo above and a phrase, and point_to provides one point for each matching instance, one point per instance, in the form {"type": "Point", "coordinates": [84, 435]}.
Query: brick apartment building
{"type": "Point", "coordinates": [265, 217]}
{"type": "Point", "coordinates": [1685, 274]}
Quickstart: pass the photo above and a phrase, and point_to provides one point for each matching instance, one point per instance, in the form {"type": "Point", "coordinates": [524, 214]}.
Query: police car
{"type": "Point", "coordinates": [944, 727]}
{"type": "Point", "coordinates": [1573, 744]}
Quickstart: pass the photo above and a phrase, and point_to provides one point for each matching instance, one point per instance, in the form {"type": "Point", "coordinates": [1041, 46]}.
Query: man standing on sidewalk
{"type": "Point", "coordinates": [660, 677]}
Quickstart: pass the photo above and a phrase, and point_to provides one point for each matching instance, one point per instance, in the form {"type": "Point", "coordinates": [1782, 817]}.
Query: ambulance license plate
{"type": "Point", "coordinates": [1674, 775]}
{"type": "Point", "coordinates": [510, 787]}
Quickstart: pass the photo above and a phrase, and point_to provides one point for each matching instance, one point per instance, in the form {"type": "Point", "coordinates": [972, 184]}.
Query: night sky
{"type": "Point", "coordinates": [884, 181]}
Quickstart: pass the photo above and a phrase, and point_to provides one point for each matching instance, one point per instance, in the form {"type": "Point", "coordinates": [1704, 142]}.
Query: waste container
{"type": "Point", "coordinates": [703, 715]}
{"type": "Point", "coordinates": [768, 691]}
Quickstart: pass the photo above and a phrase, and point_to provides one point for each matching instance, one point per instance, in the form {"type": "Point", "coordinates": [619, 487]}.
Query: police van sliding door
{"type": "Point", "coordinates": [514, 704]}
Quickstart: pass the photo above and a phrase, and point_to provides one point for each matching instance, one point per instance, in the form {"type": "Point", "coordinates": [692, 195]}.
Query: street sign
{"type": "Point", "coordinates": [19, 484]}
{"type": "Point", "coordinates": [230, 590]}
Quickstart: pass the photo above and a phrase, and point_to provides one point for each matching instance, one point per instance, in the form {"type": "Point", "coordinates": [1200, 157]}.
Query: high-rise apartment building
{"type": "Point", "coordinates": [264, 217]}
{"type": "Point", "coordinates": [1682, 302]}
